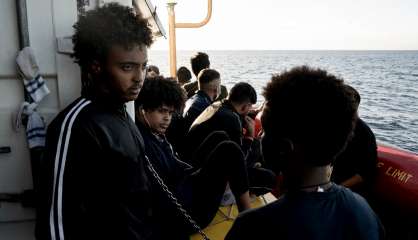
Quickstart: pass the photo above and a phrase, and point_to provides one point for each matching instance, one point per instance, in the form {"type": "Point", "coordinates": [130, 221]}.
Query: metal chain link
{"type": "Point", "coordinates": [174, 200]}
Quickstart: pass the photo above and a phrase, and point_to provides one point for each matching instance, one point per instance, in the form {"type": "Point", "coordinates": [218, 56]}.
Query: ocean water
{"type": "Point", "coordinates": [386, 80]}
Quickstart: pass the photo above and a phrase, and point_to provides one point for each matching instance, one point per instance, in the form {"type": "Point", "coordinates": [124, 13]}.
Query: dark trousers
{"type": "Point", "coordinates": [260, 180]}
{"type": "Point", "coordinates": [221, 161]}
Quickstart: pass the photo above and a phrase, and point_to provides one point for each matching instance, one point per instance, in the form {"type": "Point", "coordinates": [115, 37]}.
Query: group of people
{"type": "Point", "coordinates": [105, 176]}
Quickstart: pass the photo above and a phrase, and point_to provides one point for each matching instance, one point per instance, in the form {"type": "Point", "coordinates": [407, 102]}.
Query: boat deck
{"type": "Point", "coordinates": [225, 217]}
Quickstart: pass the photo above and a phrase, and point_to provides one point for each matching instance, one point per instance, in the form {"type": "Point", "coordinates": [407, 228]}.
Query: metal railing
{"type": "Point", "coordinates": [172, 25]}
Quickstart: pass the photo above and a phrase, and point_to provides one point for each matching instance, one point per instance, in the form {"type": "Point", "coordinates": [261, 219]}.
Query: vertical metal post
{"type": "Point", "coordinates": [172, 37]}
{"type": "Point", "coordinates": [172, 25]}
{"type": "Point", "coordinates": [22, 23]}
{"type": "Point", "coordinates": [35, 153]}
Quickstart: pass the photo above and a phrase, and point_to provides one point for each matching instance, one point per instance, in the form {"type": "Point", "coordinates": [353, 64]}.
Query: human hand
{"type": "Point", "coordinates": [249, 124]}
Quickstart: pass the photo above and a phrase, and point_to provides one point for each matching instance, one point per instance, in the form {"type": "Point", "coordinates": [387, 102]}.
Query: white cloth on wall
{"type": "Point", "coordinates": [35, 128]}
{"type": "Point", "coordinates": [29, 71]}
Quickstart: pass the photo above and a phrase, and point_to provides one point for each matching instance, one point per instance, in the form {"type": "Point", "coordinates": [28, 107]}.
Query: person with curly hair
{"type": "Point", "coordinates": [308, 117]}
{"type": "Point", "coordinates": [94, 182]}
{"type": "Point", "coordinates": [199, 190]}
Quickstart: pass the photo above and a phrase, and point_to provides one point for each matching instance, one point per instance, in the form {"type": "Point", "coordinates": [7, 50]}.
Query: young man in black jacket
{"type": "Point", "coordinates": [209, 89]}
{"type": "Point", "coordinates": [94, 183]}
{"type": "Point", "coordinates": [307, 119]}
{"type": "Point", "coordinates": [199, 190]}
{"type": "Point", "coordinates": [231, 116]}
{"type": "Point", "coordinates": [356, 166]}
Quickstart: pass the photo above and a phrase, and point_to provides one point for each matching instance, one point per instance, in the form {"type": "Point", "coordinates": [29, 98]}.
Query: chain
{"type": "Point", "coordinates": [174, 200]}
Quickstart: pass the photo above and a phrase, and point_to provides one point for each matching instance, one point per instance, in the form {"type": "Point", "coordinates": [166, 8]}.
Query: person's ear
{"type": "Point", "coordinates": [276, 152]}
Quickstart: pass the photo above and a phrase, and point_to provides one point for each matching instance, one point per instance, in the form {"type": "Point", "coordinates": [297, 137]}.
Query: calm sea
{"type": "Point", "coordinates": [386, 80]}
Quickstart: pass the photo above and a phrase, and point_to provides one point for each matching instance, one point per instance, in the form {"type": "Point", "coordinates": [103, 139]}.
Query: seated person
{"type": "Point", "coordinates": [307, 119]}
{"type": "Point", "coordinates": [199, 190]}
{"type": "Point", "coordinates": [231, 116]}
{"type": "Point", "coordinates": [152, 71]}
{"type": "Point", "coordinates": [227, 116]}
{"type": "Point", "coordinates": [355, 167]}
{"type": "Point", "coordinates": [209, 84]}
{"type": "Point", "coordinates": [183, 75]}
{"type": "Point", "coordinates": [200, 61]}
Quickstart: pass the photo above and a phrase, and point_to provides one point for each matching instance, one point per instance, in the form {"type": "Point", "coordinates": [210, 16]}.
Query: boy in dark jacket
{"type": "Point", "coordinates": [199, 190]}
{"type": "Point", "coordinates": [356, 166]}
{"type": "Point", "coordinates": [307, 119]}
{"type": "Point", "coordinates": [93, 182]}
{"type": "Point", "coordinates": [231, 116]}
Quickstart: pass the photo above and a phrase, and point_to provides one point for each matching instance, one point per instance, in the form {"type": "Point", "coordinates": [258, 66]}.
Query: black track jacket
{"type": "Point", "coordinates": [93, 182]}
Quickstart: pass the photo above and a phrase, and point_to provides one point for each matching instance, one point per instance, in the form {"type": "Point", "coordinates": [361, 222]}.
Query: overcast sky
{"type": "Point", "coordinates": [296, 25]}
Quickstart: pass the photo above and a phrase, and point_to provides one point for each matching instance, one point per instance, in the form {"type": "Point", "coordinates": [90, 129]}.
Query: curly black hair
{"type": "Point", "coordinates": [312, 108]}
{"type": "Point", "coordinates": [199, 61]}
{"type": "Point", "coordinates": [96, 31]}
{"type": "Point", "coordinates": [159, 91]}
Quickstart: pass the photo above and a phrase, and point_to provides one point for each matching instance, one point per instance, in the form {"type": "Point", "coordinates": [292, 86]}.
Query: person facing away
{"type": "Point", "coordinates": [231, 116]}
{"type": "Point", "coordinates": [209, 87]}
{"type": "Point", "coordinates": [199, 190]}
{"type": "Point", "coordinates": [356, 166]}
{"type": "Point", "coordinates": [308, 116]}
{"type": "Point", "coordinates": [94, 184]}
{"type": "Point", "coordinates": [200, 61]}
{"type": "Point", "coordinates": [183, 75]}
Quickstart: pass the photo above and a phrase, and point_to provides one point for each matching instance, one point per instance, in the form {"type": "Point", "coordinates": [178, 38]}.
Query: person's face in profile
{"type": "Point", "coordinates": [215, 89]}
{"type": "Point", "coordinates": [245, 108]}
{"type": "Point", "coordinates": [125, 71]}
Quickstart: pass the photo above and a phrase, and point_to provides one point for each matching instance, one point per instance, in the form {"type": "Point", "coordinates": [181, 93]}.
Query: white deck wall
{"type": "Point", "coordinates": [47, 20]}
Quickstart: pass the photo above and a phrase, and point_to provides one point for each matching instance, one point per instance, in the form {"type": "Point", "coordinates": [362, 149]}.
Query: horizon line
{"type": "Point", "coordinates": [324, 50]}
